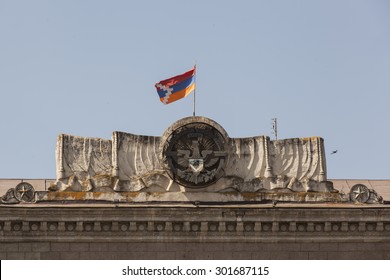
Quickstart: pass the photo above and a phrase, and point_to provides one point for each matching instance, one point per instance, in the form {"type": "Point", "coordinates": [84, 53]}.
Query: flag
{"type": "Point", "coordinates": [177, 87]}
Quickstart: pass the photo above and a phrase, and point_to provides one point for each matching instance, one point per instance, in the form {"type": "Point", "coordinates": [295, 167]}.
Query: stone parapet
{"type": "Point", "coordinates": [194, 153]}
{"type": "Point", "coordinates": [190, 198]}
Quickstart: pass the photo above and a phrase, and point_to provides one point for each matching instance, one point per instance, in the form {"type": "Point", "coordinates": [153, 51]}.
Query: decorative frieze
{"type": "Point", "coordinates": [193, 227]}
{"type": "Point", "coordinates": [153, 223]}
{"type": "Point", "coordinates": [177, 227]}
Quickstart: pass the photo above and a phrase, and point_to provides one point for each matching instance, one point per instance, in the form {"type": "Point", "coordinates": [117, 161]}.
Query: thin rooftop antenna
{"type": "Point", "coordinates": [275, 127]}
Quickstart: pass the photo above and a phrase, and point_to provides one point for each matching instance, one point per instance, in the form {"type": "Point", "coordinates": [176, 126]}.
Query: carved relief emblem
{"type": "Point", "coordinates": [195, 155]}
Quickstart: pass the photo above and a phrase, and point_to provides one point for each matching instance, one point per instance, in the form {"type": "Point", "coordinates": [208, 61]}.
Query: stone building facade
{"type": "Point", "coordinates": [193, 193]}
{"type": "Point", "coordinates": [252, 231]}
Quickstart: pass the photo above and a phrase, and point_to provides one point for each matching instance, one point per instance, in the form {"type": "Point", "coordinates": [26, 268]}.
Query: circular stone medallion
{"type": "Point", "coordinates": [359, 193]}
{"type": "Point", "coordinates": [24, 192]}
{"type": "Point", "coordinates": [195, 153]}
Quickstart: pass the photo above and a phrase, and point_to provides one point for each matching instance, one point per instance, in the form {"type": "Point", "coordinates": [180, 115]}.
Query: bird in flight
{"type": "Point", "coordinates": [333, 152]}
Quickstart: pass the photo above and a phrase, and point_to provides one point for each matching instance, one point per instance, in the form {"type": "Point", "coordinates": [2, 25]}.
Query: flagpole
{"type": "Point", "coordinates": [193, 113]}
{"type": "Point", "coordinates": [194, 92]}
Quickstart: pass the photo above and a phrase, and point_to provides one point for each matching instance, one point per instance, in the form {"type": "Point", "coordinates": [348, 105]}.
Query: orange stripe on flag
{"type": "Point", "coordinates": [180, 94]}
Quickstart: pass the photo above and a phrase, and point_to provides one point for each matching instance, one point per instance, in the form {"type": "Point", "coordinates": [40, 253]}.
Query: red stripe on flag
{"type": "Point", "coordinates": [179, 78]}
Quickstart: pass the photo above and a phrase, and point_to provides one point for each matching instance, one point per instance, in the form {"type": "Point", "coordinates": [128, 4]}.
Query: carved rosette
{"type": "Point", "coordinates": [194, 152]}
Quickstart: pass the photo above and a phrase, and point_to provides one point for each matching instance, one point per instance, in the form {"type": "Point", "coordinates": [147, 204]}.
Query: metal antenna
{"type": "Point", "coordinates": [275, 127]}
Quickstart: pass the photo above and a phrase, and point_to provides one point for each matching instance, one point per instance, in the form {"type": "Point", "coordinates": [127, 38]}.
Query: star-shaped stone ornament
{"type": "Point", "coordinates": [359, 193]}
{"type": "Point", "coordinates": [24, 192]}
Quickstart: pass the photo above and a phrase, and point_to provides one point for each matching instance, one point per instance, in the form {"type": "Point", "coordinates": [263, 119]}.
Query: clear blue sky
{"type": "Point", "coordinates": [88, 68]}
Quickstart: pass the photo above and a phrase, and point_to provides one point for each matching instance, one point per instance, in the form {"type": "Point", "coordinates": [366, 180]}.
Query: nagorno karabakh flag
{"type": "Point", "coordinates": [177, 87]}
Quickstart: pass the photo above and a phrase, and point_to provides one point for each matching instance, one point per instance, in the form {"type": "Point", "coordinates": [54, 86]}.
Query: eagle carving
{"type": "Point", "coordinates": [195, 155]}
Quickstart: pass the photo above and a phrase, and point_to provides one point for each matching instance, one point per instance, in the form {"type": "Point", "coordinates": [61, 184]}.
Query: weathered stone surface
{"type": "Point", "coordinates": [211, 232]}
{"type": "Point", "coordinates": [23, 192]}
{"type": "Point", "coordinates": [192, 197]}
{"type": "Point", "coordinates": [181, 226]}
{"type": "Point", "coordinates": [136, 163]}
{"type": "Point", "coordinates": [195, 154]}
{"type": "Point", "coordinates": [382, 187]}
{"type": "Point", "coordinates": [83, 164]}
{"type": "Point", "coordinates": [193, 162]}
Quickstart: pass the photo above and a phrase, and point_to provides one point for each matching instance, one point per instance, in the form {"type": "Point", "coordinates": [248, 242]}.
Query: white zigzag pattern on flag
{"type": "Point", "coordinates": [167, 94]}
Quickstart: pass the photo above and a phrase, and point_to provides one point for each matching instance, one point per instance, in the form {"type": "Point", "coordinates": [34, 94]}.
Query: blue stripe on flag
{"type": "Point", "coordinates": [177, 87]}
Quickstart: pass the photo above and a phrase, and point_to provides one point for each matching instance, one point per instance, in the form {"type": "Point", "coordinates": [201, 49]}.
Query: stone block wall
{"type": "Point", "coordinates": [194, 232]}
{"type": "Point", "coordinates": [194, 250]}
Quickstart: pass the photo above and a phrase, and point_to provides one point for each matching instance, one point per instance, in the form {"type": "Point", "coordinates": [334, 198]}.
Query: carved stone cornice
{"type": "Point", "coordinates": [179, 223]}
